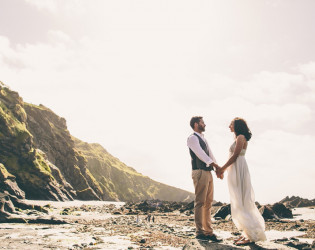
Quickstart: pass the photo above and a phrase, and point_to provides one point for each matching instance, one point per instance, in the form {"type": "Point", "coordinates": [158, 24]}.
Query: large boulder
{"type": "Point", "coordinates": [267, 212]}
{"type": "Point", "coordinates": [275, 211]}
{"type": "Point", "coordinates": [282, 211]}
{"type": "Point", "coordinates": [223, 212]}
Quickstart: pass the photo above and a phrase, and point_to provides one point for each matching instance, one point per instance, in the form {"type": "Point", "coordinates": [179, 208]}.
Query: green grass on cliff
{"type": "Point", "coordinates": [119, 181]}
{"type": "Point", "coordinates": [22, 160]}
{"type": "Point", "coordinates": [96, 151]}
{"type": "Point", "coordinates": [4, 172]}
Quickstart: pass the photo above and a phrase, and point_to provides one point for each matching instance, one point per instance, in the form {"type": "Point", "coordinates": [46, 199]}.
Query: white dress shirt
{"type": "Point", "coordinates": [194, 145]}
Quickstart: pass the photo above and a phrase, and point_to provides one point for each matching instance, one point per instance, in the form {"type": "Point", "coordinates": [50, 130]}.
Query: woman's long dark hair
{"type": "Point", "coordinates": [241, 128]}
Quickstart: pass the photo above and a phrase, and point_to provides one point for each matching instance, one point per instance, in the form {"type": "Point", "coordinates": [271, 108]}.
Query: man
{"type": "Point", "coordinates": [203, 162]}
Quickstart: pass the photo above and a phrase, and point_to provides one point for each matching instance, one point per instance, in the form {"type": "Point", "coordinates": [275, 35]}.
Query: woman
{"type": "Point", "coordinates": [245, 214]}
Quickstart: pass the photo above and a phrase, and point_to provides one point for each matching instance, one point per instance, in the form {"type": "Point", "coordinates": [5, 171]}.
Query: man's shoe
{"type": "Point", "coordinates": [202, 237]}
{"type": "Point", "coordinates": [214, 238]}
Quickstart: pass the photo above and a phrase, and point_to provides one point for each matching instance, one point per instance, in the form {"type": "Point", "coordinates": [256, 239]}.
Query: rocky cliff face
{"type": "Point", "coordinates": [22, 162]}
{"type": "Point", "coordinates": [120, 182]}
{"type": "Point", "coordinates": [39, 159]}
{"type": "Point", "coordinates": [296, 201]}
{"type": "Point", "coordinates": [51, 136]}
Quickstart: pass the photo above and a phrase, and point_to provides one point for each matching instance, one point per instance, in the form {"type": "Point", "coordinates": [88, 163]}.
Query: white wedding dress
{"type": "Point", "coordinates": [245, 214]}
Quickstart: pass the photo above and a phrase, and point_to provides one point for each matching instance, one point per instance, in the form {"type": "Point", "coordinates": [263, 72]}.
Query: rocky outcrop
{"type": "Point", "coordinates": [223, 212]}
{"type": "Point", "coordinates": [8, 183]}
{"type": "Point", "coordinates": [19, 156]}
{"type": "Point", "coordinates": [275, 211]}
{"type": "Point", "coordinates": [296, 201]}
{"type": "Point", "coordinates": [41, 160]}
{"type": "Point", "coordinates": [9, 214]}
{"type": "Point", "coordinates": [50, 135]}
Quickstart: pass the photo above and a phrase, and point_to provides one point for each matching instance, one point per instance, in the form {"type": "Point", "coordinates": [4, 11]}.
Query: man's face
{"type": "Point", "coordinates": [201, 125]}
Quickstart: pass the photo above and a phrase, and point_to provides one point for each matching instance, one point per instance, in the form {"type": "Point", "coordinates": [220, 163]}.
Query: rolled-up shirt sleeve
{"type": "Point", "coordinates": [193, 144]}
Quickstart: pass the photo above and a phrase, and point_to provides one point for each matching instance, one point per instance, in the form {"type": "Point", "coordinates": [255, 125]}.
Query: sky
{"type": "Point", "coordinates": [130, 75]}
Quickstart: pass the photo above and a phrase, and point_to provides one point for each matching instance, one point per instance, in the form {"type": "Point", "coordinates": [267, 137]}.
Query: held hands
{"type": "Point", "coordinates": [219, 171]}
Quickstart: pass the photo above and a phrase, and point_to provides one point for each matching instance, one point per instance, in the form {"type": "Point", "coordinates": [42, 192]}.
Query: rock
{"type": "Point", "coordinates": [294, 227]}
{"type": "Point", "coordinates": [283, 239]}
{"type": "Point", "coordinates": [229, 217]}
{"type": "Point", "coordinates": [217, 204]}
{"type": "Point", "coordinates": [6, 205]}
{"type": "Point", "coordinates": [282, 211]}
{"type": "Point", "coordinates": [149, 206]}
{"type": "Point", "coordinates": [296, 201]}
{"type": "Point", "coordinates": [298, 245]}
{"type": "Point", "coordinates": [236, 233]}
{"type": "Point", "coordinates": [189, 212]}
{"type": "Point", "coordinates": [294, 239]}
{"type": "Point", "coordinates": [8, 183]}
{"type": "Point", "coordinates": [223, 212]}
{"type": "Point", "coordinates": [44, 220]}
{"type": "Point", "coordinates": [257, 204]}
{"type": "Point", "coordinates": [23, 205]}
{"type": "Point", "coordinates": [189, 207]}
{"type": "Point", "coordinates": [267, 212]}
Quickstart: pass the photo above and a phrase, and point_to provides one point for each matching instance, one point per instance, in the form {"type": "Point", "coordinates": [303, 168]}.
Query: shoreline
{"type": "Point", "coordinates": [94, 225]}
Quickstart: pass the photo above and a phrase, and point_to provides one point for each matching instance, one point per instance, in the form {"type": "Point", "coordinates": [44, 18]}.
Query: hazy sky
{"type": "Point", "coordinates": [130, 75]}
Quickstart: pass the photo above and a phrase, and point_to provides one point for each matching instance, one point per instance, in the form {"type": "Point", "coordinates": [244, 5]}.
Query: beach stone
{"type": "Point", "coordinates": [267, 212]}
{"type": "Point", "coordinates": [189, 207]}
{"type": "Point", "coordinates": [299, 245]}
{"type": "Point", "coordinates": [236, 233]}
{"type": "Point", "coordinates": [223, 212]}
{"type": "Point", "coordinates": [47, 220]}
{"type": "Point", "coordinates": [217, 204]}
{"type": "Point", "coordinates": [257, 204]}
{"type": "Point", "coordinates": [282, 211]}
{"type": "Point", "coordinates": [294, 239]}
{"type": "Point", "coordinates": [6, 205]}
{"type": "Point", "coordinates": [283, 239]}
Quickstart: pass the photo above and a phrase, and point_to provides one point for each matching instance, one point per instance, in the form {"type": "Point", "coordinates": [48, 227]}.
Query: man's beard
{"type": "Point", "coordinates": [201, 128]}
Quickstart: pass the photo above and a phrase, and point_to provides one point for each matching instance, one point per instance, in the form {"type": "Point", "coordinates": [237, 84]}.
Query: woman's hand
{"type": "Point", "coordinates": [220, 172]}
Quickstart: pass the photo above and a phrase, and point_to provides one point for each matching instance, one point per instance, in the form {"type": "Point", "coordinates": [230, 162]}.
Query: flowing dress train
{"type": "Point", "coordinates": [245, 214]}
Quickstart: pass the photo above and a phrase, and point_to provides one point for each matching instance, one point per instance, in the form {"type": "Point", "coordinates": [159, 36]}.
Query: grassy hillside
{"type": "Point", "coordinates": [122, 182]}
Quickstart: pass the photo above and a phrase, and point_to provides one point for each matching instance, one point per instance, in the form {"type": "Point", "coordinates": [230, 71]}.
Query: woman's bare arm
{"type": "Point", "coordinates": [240, 141]}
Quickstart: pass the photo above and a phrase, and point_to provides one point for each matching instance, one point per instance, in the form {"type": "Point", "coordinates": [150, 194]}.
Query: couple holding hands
{"type": "Point", "coordinates": [245, 214]}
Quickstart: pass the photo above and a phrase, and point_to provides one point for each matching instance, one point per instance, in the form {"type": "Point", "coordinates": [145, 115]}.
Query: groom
{"type": "Point", "coordinates": [202, 161]}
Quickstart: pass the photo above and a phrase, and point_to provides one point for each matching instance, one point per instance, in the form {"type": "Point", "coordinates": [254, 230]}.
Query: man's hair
{"type": "Point", "coordinates": [194, 120]}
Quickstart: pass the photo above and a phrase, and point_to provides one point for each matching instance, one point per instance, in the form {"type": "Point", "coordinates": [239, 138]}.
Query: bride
{"type": "Point", "coordinates": [245, 214]}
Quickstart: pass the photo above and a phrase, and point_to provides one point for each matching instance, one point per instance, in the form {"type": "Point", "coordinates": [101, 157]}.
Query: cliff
{"type": "Point", "coordinates": [39, 159]}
